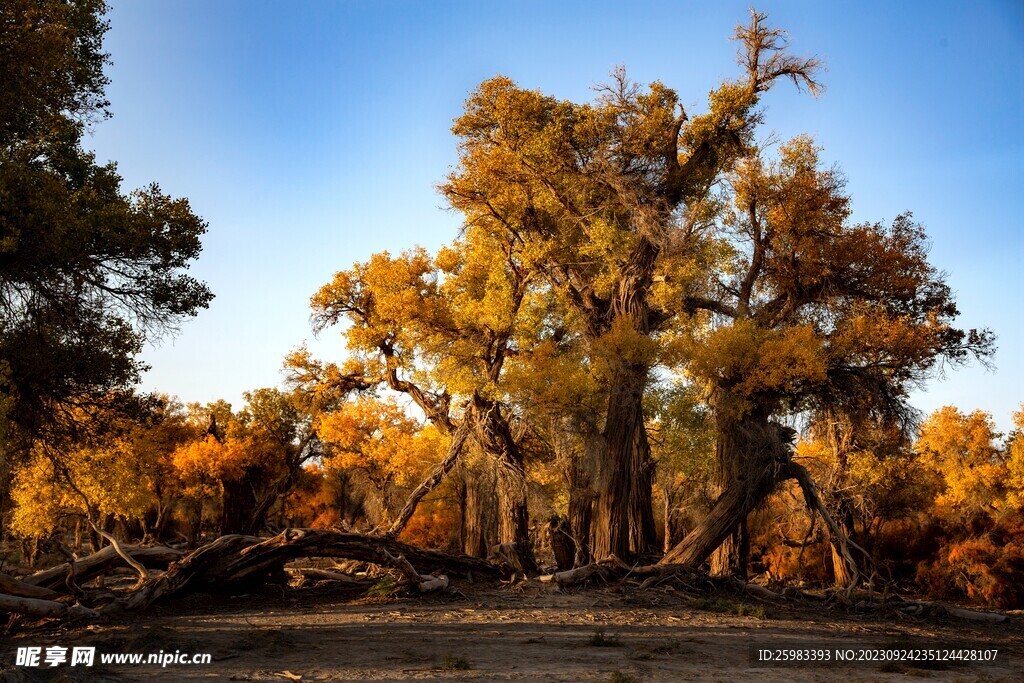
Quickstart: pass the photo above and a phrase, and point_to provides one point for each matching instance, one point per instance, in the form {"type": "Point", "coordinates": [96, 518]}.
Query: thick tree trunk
{"type": "Point", "coordinates": [754, 455]}
{"type": "Point", "coordinates": [581, 510]}
{"type": "Point", "coordinates": [624, 521]}
{"type": "Point", "coordinates": [240, 505]}
{"type": "Point", "coordinates": [478, 522]}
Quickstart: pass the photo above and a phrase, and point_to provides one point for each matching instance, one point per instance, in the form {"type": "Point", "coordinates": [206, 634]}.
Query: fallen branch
{"type": "Point", "coordinates": [327, 575]}
{"type": "Point", "coordinates": [233, 561]}
{"type": "Point", "coordinates": [15, 587]}
{"type": "Point", "coordinates": [44, 608]}
{"type": "Point", "coordinates": [424, 583]}
{"type": "Point", "coordinates": [91, 566]}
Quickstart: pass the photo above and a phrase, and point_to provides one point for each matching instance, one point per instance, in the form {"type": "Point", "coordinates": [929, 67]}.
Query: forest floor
{"type": "Point", "coordinates": [531, 632]}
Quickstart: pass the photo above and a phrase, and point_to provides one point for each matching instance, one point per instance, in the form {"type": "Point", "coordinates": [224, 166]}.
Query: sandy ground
{"type": "Point", "coordinates": [529, 633]}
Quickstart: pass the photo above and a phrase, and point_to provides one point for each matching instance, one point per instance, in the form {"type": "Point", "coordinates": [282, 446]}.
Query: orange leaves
{"type": "Point", "coordinates": [961, 449]}
{"type": "Point", "coordinates": [379, 438]}
{"type": "Point", "coordinates": [755, 363]}
{"type": "Point", "coordinates": [208, 457]}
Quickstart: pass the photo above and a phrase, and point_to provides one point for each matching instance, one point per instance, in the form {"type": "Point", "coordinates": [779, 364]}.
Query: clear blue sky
{"type": "Point", "coordinates": [312, 134]}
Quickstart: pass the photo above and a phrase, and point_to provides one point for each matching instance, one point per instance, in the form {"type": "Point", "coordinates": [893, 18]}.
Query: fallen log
{"type": "Point", "coordinates": [91, 566]}
{"type": "Point", "coordinates": [12, 586]}
{"type": "Point", "coordinates": [313, 574]}
{"type": "Point", "coordinates": [233, 561]}
{"type": "Point", "coordinates": [36, 607]}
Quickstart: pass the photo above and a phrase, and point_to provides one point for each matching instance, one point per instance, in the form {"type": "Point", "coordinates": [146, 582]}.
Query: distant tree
{"type": "Point", "coordinates": [962, 452]}
{"type": "Point", "coordinates": [252, 458]}
{"type": "Point", "coordinates": [87, 272]}
{"type": "Point", "coordinates": [379, 440]}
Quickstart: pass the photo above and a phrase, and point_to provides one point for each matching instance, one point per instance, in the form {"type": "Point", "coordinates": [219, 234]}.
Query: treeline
{"type": "Point", "coordinates": [643, 309]}
{"type": "Point", "coordinates": [940, 515]}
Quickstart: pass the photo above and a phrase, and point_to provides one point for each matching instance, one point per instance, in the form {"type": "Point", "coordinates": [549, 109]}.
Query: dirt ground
{"type": "Point", "coordinates": [529, 633]}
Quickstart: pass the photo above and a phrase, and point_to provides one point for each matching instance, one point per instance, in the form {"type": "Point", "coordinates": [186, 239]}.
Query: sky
{"type": "Point", "coordinates": [311, 135]}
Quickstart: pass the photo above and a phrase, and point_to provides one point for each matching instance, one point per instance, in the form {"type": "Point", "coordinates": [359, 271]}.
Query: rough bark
{"type": "Point", "coordinates": [494, 435]}
{"type": "Point", "coordinates": [624, 520]}
{"type": "Point", "coordinates": [479, 530]}
{"type": "Point", "coordinates": [581, 511]}
{"type": "Point", "coordinates": [754, 455]}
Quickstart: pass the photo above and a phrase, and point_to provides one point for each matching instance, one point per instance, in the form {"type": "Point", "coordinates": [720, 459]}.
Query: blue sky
{"type": "Point", "coordinates": [312, 134]}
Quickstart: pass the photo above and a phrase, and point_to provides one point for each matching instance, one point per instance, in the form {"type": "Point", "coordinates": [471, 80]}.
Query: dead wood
{"type": "Point", "coordinates": [36, 607]}
{"type": "Point", "coordinates": [233, 561]}
{"type": "Point", "coordinates": [313, 574]}
{"type": "Point", "coordinates": [91, 566]}
{"type": "Point", "coordinates": [424, 583]}
{"type": "Point", "coordinates": [15, 587]}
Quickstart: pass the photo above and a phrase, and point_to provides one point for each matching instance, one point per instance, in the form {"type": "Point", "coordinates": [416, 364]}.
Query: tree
{"type": "Point", "coordinates": [87, 272]}
{"type": "Point", "coordinates": [607, 198]}
{"type": "Point", "coordinates": [254, 457]}
{"type": "Point", "coordinates": [961, 451]}
{"type": "Point", "coordinates": [378, 439]}
{"type": "Point", "coordinates": [438, 330]}
{"type": "Point", "coordinates": [811, 312]}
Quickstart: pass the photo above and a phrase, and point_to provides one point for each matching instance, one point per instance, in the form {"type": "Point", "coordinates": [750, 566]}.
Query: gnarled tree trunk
{"type": "Point", "coordinates": [754, 456]}
{"type": "Point", "coordinates": [624, 520]}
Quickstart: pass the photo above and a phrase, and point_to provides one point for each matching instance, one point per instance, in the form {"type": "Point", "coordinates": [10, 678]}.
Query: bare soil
{"type": "Point", "coordinates": [532, 632]}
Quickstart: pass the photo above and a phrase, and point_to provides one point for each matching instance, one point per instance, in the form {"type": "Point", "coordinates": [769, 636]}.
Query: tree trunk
{"type": "Point", "coordinates": [478, 523]}
{"type": "Point", "coordinates": [562, 544]}
{"type": "Point", "coordinates": [753, 456]}
{"type": "Point", "coordinates": [624, 522]}
{"type": "Point", "coordinates": [239, 504]}
{"type": "Point", "coordinates": [495, 438]}
{"type": "Point", "coordinates": [581, 510]}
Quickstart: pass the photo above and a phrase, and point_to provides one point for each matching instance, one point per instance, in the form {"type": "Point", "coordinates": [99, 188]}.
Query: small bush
{"type": "Point", "coordinates": [453, 663]}
{"type": "Point", "coordinates": [599, 639]}
{"type": "Point", "coordinates": [619, 677]}
{"type": "Point", "coordinates": [384, 588]}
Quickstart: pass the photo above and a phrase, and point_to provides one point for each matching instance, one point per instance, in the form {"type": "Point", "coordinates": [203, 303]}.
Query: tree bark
{"type": "Point", "coordinates": [624, 521]}
{"type": "Point", "coordinates": [495, 437]}
{"type": "Point", "coordinates": [754, 456]}
{"type": "Point", "coordinates": [478, 523]}
{"type": "Point", "coordinates": [581, 511]}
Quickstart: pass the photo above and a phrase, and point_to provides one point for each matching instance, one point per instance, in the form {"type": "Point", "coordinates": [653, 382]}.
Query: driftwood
{"type": "Point", "coordinates": [91, 566]}
{"type": "Point", "coordinates": [313, 574]}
